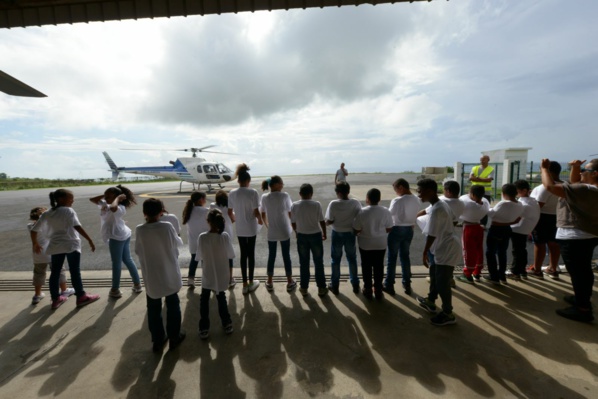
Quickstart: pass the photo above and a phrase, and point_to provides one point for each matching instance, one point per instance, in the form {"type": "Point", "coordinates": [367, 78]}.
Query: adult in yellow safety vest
{"type": "Point", "coordinates": [483, 175]}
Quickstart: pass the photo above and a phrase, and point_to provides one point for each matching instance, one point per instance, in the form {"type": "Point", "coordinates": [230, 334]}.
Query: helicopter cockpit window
{"type": "Point", "coordinates": [223, 169]}
{"type": "Point", "coordinates": [209, 169]}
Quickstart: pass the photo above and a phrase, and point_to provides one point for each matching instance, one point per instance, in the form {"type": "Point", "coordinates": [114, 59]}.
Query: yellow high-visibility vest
{"type": "Point", "coordinates": [485, 173]}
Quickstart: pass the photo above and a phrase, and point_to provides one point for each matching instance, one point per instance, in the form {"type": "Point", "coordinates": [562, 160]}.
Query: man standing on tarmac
{"type": "Point", "coordinates": [483, 175]}
{"type": "Point", "coordinates": [341, 175]}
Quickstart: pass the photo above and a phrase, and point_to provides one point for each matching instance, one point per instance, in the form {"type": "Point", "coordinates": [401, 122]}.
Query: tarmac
{"type": "Point", "coordinates": [508, 342]}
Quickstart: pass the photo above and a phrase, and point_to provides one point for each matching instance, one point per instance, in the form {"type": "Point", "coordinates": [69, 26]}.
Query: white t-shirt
{"type": "Point", "coordinates": [457, 206]}
{"type": "Point", "coordinates": [277, 205]}
{"type": "Point", "coordinates": [307, 215]}
{"type": "Point", "coordinates": [61, 233]}
{"type": "Point", "coordinates": [173, 220]}
{"type": "Point", "coordinates": [156, 246]}
{"type": "Point", "coordinates": [228, 224]}
{"type": "Point", "coordinates": [472, 211]}
{"type": "Point", "coordinates": [42, 240]}
{"type": "Point", "coordinates": [342, 213]}
{"type": "Point", "coordinates": [372, 221]}
{"type": "Point", "coordinates": [197, 224]}
{"type": "Point", "coordinates": [243, 201]}
{"type": "Point", "coordinates": [215, 250]}
{"type": "Point", "coordinates": [113, 226]}
{"type": "Point", "coordinates": [446, 247]}
{"type": "Point", "coordinates": [529, 216]}
{"type": "Point", "coordinates": [340, 175]}
{"type": "Point", "coordinates": [404, 209]}
{"type": "Point", "coordinates": [505, 211]}
{"type": "Point", "coordinates": [549, 199]}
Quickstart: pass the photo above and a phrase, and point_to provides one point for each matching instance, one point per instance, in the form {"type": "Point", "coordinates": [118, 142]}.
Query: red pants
{"type": "Point", "coordinates": [473, 249]}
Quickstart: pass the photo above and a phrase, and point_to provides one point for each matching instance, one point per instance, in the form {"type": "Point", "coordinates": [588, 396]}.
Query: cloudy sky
{"type": "Point", "coordinates": [387, 88]}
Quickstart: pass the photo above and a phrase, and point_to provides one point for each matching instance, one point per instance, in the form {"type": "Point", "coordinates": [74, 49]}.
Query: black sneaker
{"type": "Point", "coordinates": [159, 346]}
{"type": "Point", "coordinates": [489, 279]}
{"type": "Point", "coordinates": [407, 288]}
{"type": "Point", "coordinates": [477, 277]}
{"type": "Point", "coordinates": [573, 313]}
{"type": "Point", "coordinates": [443, 319]}
{"type": "Point", "coordinates": [356, 288]}
{"type": "Point", "coordinates": [389, 289]}
{"type": "Point", "coordinates": [426, 304]}
{"type": "Point", "coordinates": [379, 294]}
{"type": "Point", "coordinates": [367, 293]}
{"type": "Point", "coordinates": [333, 289]}
{"type": "Point", "coordinates": [570, 299]}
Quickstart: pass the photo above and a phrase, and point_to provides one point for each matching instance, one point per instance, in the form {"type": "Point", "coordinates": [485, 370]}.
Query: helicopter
{"type": "Point", "coordinates": [188, 169]}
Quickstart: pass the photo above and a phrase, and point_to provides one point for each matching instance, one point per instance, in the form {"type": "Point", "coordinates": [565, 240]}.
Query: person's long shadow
{"type": "Point", "coordinates": [302, 340]}
{"type": "Point", "coordinates": [260, 354]}
{"type": "Point", "coordinates": [164, 386]}
{"type": "Point", "coordinates": [79, 352]}
{"type": "Point", "coordinates": [135, 360]}
{"type": "Point", "coordinates": [217, 377]}
{"type": "Point", "coordinates": [418, 349]}
{"type": "Point", "coordinates": [18, 356]}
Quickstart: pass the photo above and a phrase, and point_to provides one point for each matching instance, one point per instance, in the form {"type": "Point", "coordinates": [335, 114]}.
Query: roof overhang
{"type": "Point", "coordinates": [23, 13]}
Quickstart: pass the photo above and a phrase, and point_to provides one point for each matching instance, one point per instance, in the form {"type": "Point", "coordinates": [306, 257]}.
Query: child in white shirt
{"type": "Point", "coordinates": [63, 229]}
{"type": "Point", "coordinates": [215, 249]}
{"type": "Point", "coordinates": [276, 216]}
{"type": "Point", "coordinates": [521, 230]}
{"type": "Point", "coordinates": [195, 217]}
{"type": "Point", "coordinates": [41, 261]}
{"type": "Point", "coordinates": [476, 207]}
{"type": "Point", "coordinates": [221, 204]}
{"type": "Point", "coordinates": [503, 215]}
{"type": "Point", "coordinates": [372, 225]}
{"type": "Point", "coordinates": [156, 245]}
{"type": "Point", "coordinates": [307, 220]}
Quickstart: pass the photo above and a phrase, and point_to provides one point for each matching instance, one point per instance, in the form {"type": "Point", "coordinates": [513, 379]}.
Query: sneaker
{"type": "Point", "coordinates": [229, 329]}
{"type": "Point", "coordinates": [453, 283]}
{"type": "Point", "coordinates": [191, 282]}
{"type": "Point", "coordinates": [245, 289]}
{"type": "Point", "coordinates": [477, 277]}
{"type": "Point", "coordinates": [37, 298]}
{"type": "Point", "coordinates": [86, 299]}
{"type": "Point", "coordinates": [269, 286]}
{"type": "Point", "coordinates": [503, 281]}
{"type": "Point", "coordinates": [159, 346]}
{"type": "Point", "coordinates": [561, 268]}
{"type": "Point", "coordinates": [389, 289]}
{"type": "Point", "coordinates": [379, 295]}
{"type": "Point", "coordinates": [68, 292]}
{"type": "Point", "coordinates": [232, 282]}
{"type": "Point", "coordinates": [115, 293]}
{"type": "Point", "coordinates": [407, 288]}
{"type": "Point", "coordinates": [174, 343]}
{"type": "Point", "coordinates": [356, 288]}
{"type": "Point", "coordinates": [368, 293]}
{"type": "Point", "coordinates": [573, 313]}
{"type": "Point", "coordinates": [58, 302]}
{"type": "Point", "coordinates": [553, 275]}
{"type": "Point", "coordinates": [426, 304]}
{"type": "Point", "coordinates": [531, 272]}
{"type": "Point", "coordinates": [514, 277]}
{"type": "Point", "coordinates": [253, 285]}
{"type": "Point", "coordinates": [443, 319]}
{"type": "Point", "coordinates": [291, 286]}
{"type": "Point", "coordinates": [204, 334]}
{"type": "Point", "coordinates": [465, 279]}
{"type": "Point", "coordinates": [137, 288]}
{"type": "Point", "coordinates": [524, 276]}
{"type": "Point", "coordinates": [322, 291]}
{"type": "Point", "coordinates": [488, 279]}
{"type": "Point", "coordinates": [570, 299]}
{"type": "Point", "coordinates": [333, 289]}
{"type": "Point", "coordinates": [303, 291]}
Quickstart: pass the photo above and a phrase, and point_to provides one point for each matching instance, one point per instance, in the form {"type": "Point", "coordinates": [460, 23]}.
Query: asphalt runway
{"type": "Point", "coordinates": [15, 205]}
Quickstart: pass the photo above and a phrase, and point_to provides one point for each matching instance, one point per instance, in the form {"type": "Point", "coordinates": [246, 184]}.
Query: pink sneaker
{"type": "Point", "coordinates": [58, 302]}
{"type": "Point", "coordinates": [86, 300]}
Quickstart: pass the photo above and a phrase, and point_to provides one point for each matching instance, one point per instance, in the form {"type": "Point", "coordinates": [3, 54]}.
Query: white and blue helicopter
{"type": "Point", "coordinates": [188, 169]}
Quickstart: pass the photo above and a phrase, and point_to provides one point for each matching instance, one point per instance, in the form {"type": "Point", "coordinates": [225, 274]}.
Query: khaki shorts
{"type": "Point", "coordinates": [39, 274]}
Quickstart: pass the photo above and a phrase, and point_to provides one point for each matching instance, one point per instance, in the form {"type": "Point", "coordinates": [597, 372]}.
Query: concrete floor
{"type": "Point", "coordinates": [508, 342]}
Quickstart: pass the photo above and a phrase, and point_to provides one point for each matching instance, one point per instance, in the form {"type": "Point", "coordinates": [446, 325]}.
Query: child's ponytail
{"type": "Point", "coordinates": [195, 196]}
{"type": "Point", "coordinates": [216, 220]}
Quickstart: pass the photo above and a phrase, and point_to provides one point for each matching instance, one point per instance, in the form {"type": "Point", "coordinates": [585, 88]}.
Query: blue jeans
{"type": "Point", "coordinates": [120, 252]}
{"type": "Point", "coordinates": [399, 241]}
{"type": "Point", "coordinates": [204, 309]}
{"type": "Point", "coordinates": [285, 247]}
{"type": "Point", "coordinates": [173, 317]}
{"type": "Point", "coordinates": [74, 260]}
{"type": "Point", "coordinates": [305, 244]}
{"type": "Point", "coordinates": [346, 240]}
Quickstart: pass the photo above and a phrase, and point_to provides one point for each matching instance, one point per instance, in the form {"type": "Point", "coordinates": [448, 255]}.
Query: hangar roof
{"type": "Point", "coordinates": [23, 13]}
